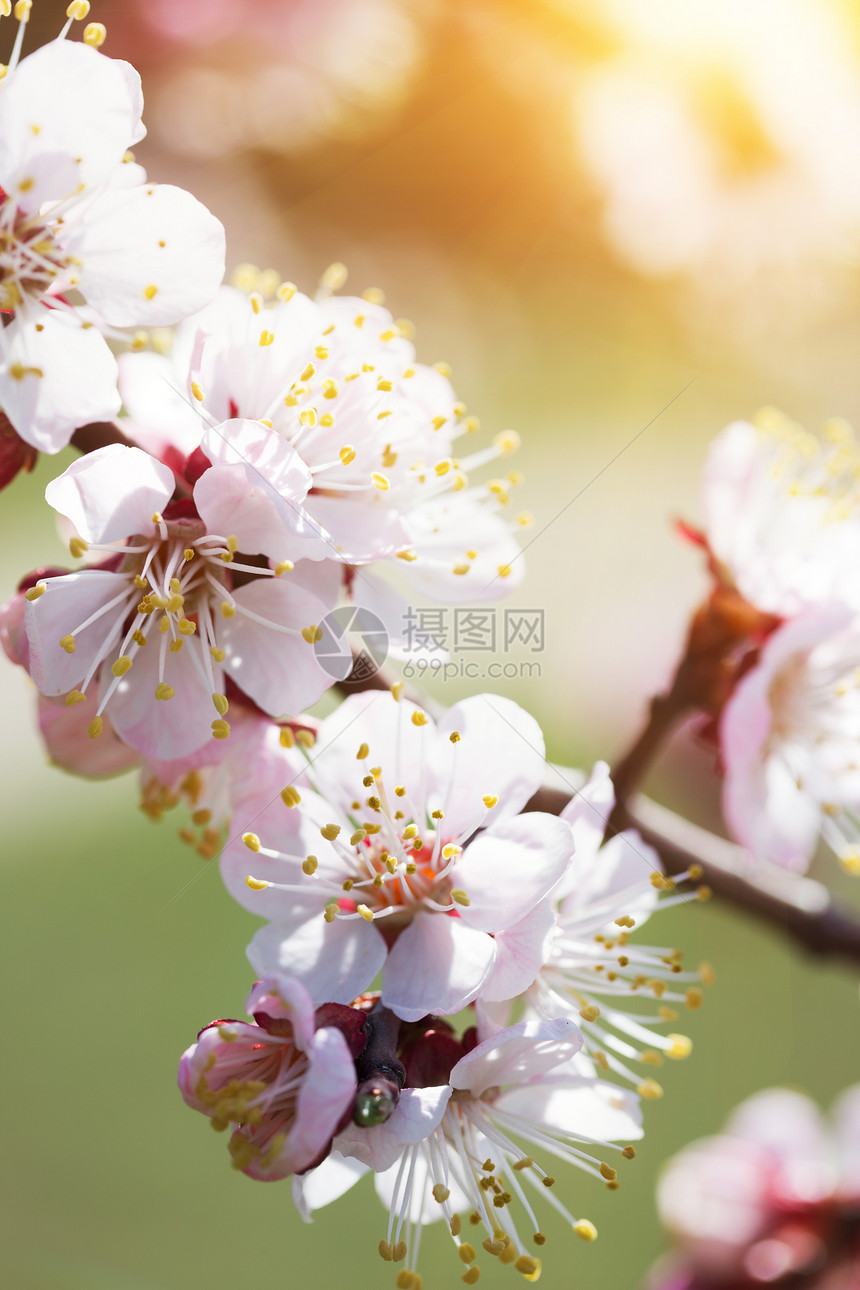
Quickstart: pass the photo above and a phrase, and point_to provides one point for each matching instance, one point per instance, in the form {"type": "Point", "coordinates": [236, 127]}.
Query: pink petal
{"type": "Point", "coordinates": [521, 1052]}
{"type": "Point", "coordinates": [521, 952]}
{"type": "Point", "coordinates": [510, 867]}
{"type": "Point", "coordinates": [280, 671]}
{"type": "Point", "coordinates": [435, 965]}
{"type": "Point", "coordinates": [112, 493]}
{"type": "Point", "coordinates": [162, 729]}
{"type": "Point", "coordinates": [68, 601]}
{"type": "Point", "coordinates": [286, 999]}
{"type": "Point", "coordinates": [334, 961]}
{"type": "Point", "coordinates": [326, 1093]}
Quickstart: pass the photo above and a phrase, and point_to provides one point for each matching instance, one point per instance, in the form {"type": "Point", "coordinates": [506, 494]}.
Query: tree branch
{"type": "Point", "coordinates": [796, 906]}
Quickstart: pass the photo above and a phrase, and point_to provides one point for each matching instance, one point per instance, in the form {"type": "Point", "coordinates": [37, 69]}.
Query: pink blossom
{"type": "Point", "coordinates": [163, 621]}
{"type": "Point", "coordinates": [283, 1081]}
{"type": "Point", "coordinates": [403, 852]}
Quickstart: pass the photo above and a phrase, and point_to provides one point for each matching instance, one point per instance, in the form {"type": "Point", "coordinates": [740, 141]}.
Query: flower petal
{"type": "Point", "coordinates": [520, 1053]}
{"type": "Point", "coordinates": [334, 961]}
{"type": "Point", "coordinates": [435, 965]}
{"type": "Point", "coordinates": [521, 952]}
{"type": "Point", "coordinates": [111, 493]}
{"type": "Point", "coordinates": [510, 867]}
{"type": "Point", "coordinates": [328, 1182]}
{"type": "Point", "coordinates": [55, 375]}
{"type": "Point", "coordinates": [418, 1112]}
{"type": "Point", "coordinates": [151, 255]}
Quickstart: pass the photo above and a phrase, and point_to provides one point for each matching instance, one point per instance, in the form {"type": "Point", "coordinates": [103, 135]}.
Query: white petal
{"type": "Point", "coordinates": [501, 753]}
{"type": "Point", "coordinates": [521, 1052]}
{"type": "Point", "coordinates": [163, 729]}
{"type": "Point", "coordinates": [334, 961]}
{"type": "Point", "coordinates": [328, 1182]}
{"type": "Point", "coordinates": [134, 240]}
{"type": "Point", "coordinates": [280, 671]}
{"type": "Point", "coordinates": [435, 965]}
{"type": "Point", "coordinates": [112, 493]}
{"type": "Point", "coordinates": [67, 602]}
{"type": "Point", "coordinates": [55, 375]}
{"type": "Point", "coordinates": [592, 1108]}
{"type": "Point", "coordinates": [159, 409]}
{"type": "Point", "coordinates": [418, 1112]}
{"type": "Point", "coordinates": [67, 102]}
{"type": "Point", "coordinates": [325, 1094]}
{"type": "Point", "coordinates": [510, 867]}
{"type": "Point", "coordinates": [521, 952]}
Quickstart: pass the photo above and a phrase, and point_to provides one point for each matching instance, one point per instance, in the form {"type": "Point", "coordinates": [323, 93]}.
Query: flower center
{"type": "Point", "coordinates": [30, 258]}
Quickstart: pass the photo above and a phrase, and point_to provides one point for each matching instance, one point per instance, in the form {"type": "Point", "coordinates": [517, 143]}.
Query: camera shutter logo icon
{"type": "Point", "coordinates": [353, 643]}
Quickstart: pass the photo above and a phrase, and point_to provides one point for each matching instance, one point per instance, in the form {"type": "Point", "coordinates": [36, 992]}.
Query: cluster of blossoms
{"type": "Point", "coordinates": [773, 1200]}
{"type": "Point", "coordinates": [398, 851]}
{"type": "Point", "coordinates": [778, 643]}
{"type": "Point", "coordinates": [269, 460]}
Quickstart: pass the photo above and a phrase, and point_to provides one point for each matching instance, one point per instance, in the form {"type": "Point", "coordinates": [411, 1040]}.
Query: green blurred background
{"type": "Point", "coordinates": [583, 208]}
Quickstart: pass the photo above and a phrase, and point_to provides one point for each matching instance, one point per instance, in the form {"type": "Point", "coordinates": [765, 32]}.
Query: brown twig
{"type": "Point", "coordinates": [98, 434]}
{"type": "Point", "coordinates": [798, 907]}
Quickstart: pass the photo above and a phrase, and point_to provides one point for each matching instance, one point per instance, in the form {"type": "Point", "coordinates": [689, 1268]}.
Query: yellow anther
{"type": "Point", "coordinates": [286, 291]}
{"type": "Point", "coordinates": [256, 884]}
{"type": "Point", "coordinates": [329, 389]}
{"type": "Point", "coordinates": [334, 277]}
{"type": "Point", "coordinates": [77, 547]}
{"type": "Point", "coordinates": [681, 1047]}
{"type": "Point", "coordinates": [188, 554]}
{"type": "Point", "coordinates": [438, 422]}
{"type": "Point", "coordinates": [504, 570]}
{"type": "Point", "coordinates": [590, 1012]}
{"type": "Point", "coordinates": [290, 796]}
{"type": "Point", "coordinates": [256, 301]}
{"type": "Point", "coordinates": [197, 391]}
{"type": "Point", "coordinates": [266, 338]}
{"type": "Point", "coordinates": [68, 644]}
{"type": "Point", "coordinates": [151, 291]}
{"type": "Point", "coordinates": [695, 872]}
{"type": "Point", "coordinates": [397, 690]}
{"type": "Point", "coordinates": [383, 386]}
{"type": "Point", "coordinates": [585, 1230]}
{"type": "Point", "coordinates": [649, 1089]}
{"type": "Point", "coordinates": [507, 442]}
{"type": "Point", "coordinates": [389, 457]}
{"type": "Point", "coordinates": [380, 481]}
{"type": "Point", "coordinates": [607, 1172]}
{"type": "Point", "coordinates": [529, 1267]}
{"type": "Point", "coordinates": [22, 10]}
{"type": "Point", "coordinates": [442, 467]}
{"type": "Point", "coordinates": [451, 849]}
{"type": "Point", "coordinates": [35, 592]}
{"type": "Point", "coordinates": [347, 454]}
{"type": "Point", "coordinates": [95, 727]}
{"type": "Point", "coordinates": [308, 417]}
{"type": "Point", "coordinates": [628, 1153]}
{"type": "Point", "coordinates": [309, 865]}
{"type": "Point", "coordinates": [306, 738]}
{"type": "Point", "coordinates": [186, 627]}
{"type": "Point", "coordinates": [164, 692]}
{"type": "Point", "coordinates": [282, 567]}
{"type": "Point", "coordinates": [386, 1250]}
{"type": "Point", "coordinates": [460, 569]}
{"type": "Point", "coordinates": [121, 665]}
{"type": "Point", "coordinates": [252, 842]}
{"type": "Point", "coordinates": [78, 9]}
{"type": "Point", "coordinates": [657, 880]}
{"type": "Point", "coordinates": [459, 897]}
{"type": "Point", "coordinates": [218, 654]}
{"type": "Point", "coordinates": [321, 352]}
{"type": "Point", "coordinates": [245, 277]}
{"type": "Point", "coordinates": [365, 912]}
{"type": "Point", "coordinates": [73, 697]}
{"type": "Point", "coordinates": [312, 634]}
{"type": "Point", "coordinates": [419, 718]}
{"type": "Point", "coordinates": [695, 998]}
{"type": "Point", "coordinates": [406, 554]}
{"type": "Point", "coordinates": [330, 912]}
{"type": "Point", "coordinates": [358, 836]}
{"type": "Point", "coordinates": [330, 831]}
{"type": "Point", "coordinates": [221, 704]}
{"type": "Point", "coordinates": [465, 1250]}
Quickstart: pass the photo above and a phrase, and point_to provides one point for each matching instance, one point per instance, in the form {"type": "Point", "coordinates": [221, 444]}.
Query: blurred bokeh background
{"type": "Point", "coordinates": [622, 223]}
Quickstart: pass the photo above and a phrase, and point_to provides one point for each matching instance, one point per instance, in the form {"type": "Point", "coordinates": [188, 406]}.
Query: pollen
{"type": "Point", "coordinates": [68, 644]}
{"type": "Point", "coordinates": [585, 1230]}
{"type": "Point", "coordinates": [312, 634]}
{"type": "Point", "coordinates": [650, 1090]}
{"type": "Point", "coordinates": [252, 842]}
{"type": "Point", "coordinates": [266, 338]}
{"type": "Point", "coordinates": [78, 9]}
{"type": "Point", "coordinates": [77, 547]}
{"type": "Point", "coordinates": [490, 801]}
{"type": "Point", "coordinates": [164, 692]}
{"type": "Point", "coordinates": [380, 481]}
{"type": "Point", "coordinates": [347, 454]}
{"type": "Point", "coordinates": [95, 728]}
{"type": "Point", "coordinates": [220, 729]}
{"type": "Point", "coordinates": [121, 665]}
{"type": "Point", "coordinates": [35, 592]}
{"type": "Point", "coordinates": [507, 442]}
{"type": "Point", "coordinates": [256, 884]}
{"type": "Point", "coordinates": [290, 796]}
{"type": "Point", "coordinates": [419, 718]}
{"type": "Point", "coordinates": [73, 697]}
{"type": "Point", "coordinates": [150, 292]}
{"type": "Point", "coordinates": [197, 391]}
{"type": "Point", "coordinates": [330, 831]}
{"type": "Point", "coordinates": [95, 34]}
{"type": "Point", "coordinates": [681, 1047]}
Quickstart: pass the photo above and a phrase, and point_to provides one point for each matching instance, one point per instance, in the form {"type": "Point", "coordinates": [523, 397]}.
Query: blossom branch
{"type": "Point", "coordinates": [797, 906]}
{"type": "Point", "coordinates": [98, 434]}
